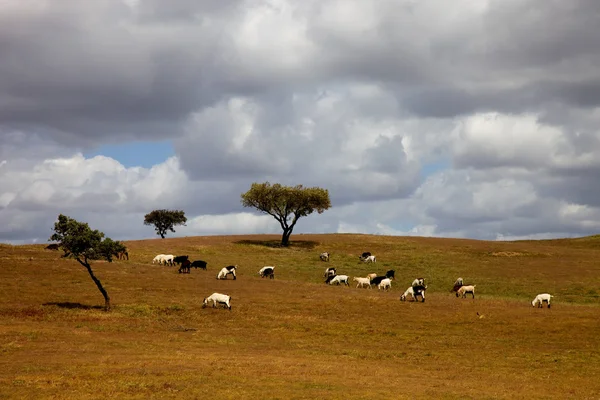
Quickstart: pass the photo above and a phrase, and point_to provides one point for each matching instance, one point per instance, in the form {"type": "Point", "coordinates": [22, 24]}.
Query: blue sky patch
{"type": "Point", "coordinates": [136, 154]}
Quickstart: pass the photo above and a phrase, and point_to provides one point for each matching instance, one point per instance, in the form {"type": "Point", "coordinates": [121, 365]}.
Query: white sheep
{"type": "Point", "coordinates": [338, 279]}
{"type": "Point", "coordinates": [268, 270]}
{"type": "Point", "coordinates": [411, 291]}
{"type": "Point", "coordinates": [226, 271]}
{"type": "Point", "coordinates": [540, 299]}
{"type": "Point", "coordinates": [217, 298]}
{"type": "Point", "coordinates": [369, 259]}
{"type": "Point", "coordinates": [362, 282]}
{"type": "Point", "coordinates": [466, 289]}
{"type": "Point", "coordinates": [385, 284]}
{"type": "Point", "coordinates": [158, 259]}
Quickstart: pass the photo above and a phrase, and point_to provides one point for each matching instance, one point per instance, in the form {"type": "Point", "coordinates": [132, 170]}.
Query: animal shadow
{"type": "Point", "coordinates": [71, 306]}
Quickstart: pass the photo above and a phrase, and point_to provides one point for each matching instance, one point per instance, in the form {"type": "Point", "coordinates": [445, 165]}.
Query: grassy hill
{"type": "Point", "coordinates": [294, 337]}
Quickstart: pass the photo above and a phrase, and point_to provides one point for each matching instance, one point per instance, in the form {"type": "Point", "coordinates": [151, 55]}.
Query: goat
{"type": "Point", "coordinates": [123, 255]}
{"type": "Point", "coordinates": [414, 292]}
{"type": "Point", "coordinates": [226, 271]}
{"type": "Point", "coordinates": [324, 256]}
{"type": "Point", "coordinates": [218, 298]}
{"type": "Point", "coordinates": [463, 290]}
{"type": "Point", "coordinates": [391, 274]}
{"type": "Point", "coordinates": [180, 259]}
{"type": "Point", "coordinates": [199, 264]}
{"type": "Point", "coordinates": [377, 280]}
{"type": "Point", "coordinates": [185, 267]}
{"type": "Point", "coordinates": [267, 271]}
{"type": "Point", "coordinates": [369, 259]}
{"type": "Point", "coordinates": [168, 259]}
{"type": "Point", "coordinates": [385, 284]}
{"type": "Point", "coordinates": [362, 282]}
{"type": "Point", "coordinates": [158, 259]}
{"type": "Point", "coordinates": [540, 299]}
{"type": "Point", "coordinates": [371, 276]}
{"type": "Point", "coordinates": [364, 255]}
{"type": "Point", "coordinates": [338, 279]}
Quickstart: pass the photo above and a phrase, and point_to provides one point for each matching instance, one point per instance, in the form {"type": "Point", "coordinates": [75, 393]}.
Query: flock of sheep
{"type": "Point", "coordinates": [384, 282]}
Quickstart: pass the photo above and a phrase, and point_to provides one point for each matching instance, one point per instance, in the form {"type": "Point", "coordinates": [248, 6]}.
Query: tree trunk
{"type": "Point", "coordinates": [162, 235]}
{"type": "Point", "coordinates": [98, 284]}
{"type": "Point", "coordinates": [285, 239]}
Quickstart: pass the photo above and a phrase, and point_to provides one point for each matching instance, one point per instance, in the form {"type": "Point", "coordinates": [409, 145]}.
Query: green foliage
{"type": "Point", "coordinates": [286, 203]}
{"type": "Point", "coordinates": [165, 220]}
{"type": "Point", "coordinates": [79, 241]}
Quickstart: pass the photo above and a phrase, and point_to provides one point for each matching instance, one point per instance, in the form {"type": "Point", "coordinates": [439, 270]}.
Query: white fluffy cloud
{"type": "Point", "coordinates": [470, 119]}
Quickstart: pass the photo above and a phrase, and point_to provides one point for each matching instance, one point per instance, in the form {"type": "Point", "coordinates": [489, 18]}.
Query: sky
{"type": "Point", "coordinates": [470, 119]}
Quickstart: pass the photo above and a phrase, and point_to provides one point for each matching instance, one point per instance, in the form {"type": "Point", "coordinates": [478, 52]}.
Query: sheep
{"type": "Point", "coordinates": [371, 276]}
{"type": "Point", "coordinates": [185, 267]}
{"type": "Point", "coordinates": [369, 259]}
{"type": "Point", "coordinates": [338, 279]}
{"type": "Point", "coordinates": [158, 259]}
{"type": "Point", "coordinates": [414, 293]}
{"type": "Point", "coordinates": [168, 259]}
{"type": "Point", "coordinates": [362, 282]}
{"type": "Point", "coordinates": [385, 284]}
{"type": "Point", "coordinates": [418, 282]}
{"type": "Point", "coordinates": [540, 299]}
{"type": "Point", "coordinates": [226, 271]}
{"type": "Point", "coordinates": [199, 264]}
{"type": "Point", "coordinates": [457, 284]}
{"type": "Point", "coordinates": [218, 298]}
{"type": "Point", "coordinates": [466, 289]}
{"type": "Point", "coordinates": [180, 259]}
{"type": "Point", "coordinates": [329, 272]}
{"type": "Point", "coordinates": [324, 256]}
{"type": "Point", "coordinates": [267, 271]}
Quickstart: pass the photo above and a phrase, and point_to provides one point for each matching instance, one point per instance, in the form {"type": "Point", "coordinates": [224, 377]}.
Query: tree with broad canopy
{"type": "Point", "coordinates": [164, 220]}
{"type": "Point", "coordinates": [80, 242]}
{"type": "Point", "coordinates": [286, 203]}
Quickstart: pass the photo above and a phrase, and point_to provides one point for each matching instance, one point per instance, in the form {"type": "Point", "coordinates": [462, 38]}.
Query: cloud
{"type": "Point", "coordinates": [471, 119]}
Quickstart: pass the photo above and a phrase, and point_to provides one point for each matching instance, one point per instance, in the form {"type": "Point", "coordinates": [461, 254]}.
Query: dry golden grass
{"type": "Point", "coordinates": [294, 337]}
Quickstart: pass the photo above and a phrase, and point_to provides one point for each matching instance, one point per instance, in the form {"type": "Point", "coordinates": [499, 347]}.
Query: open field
{"type": "Point", "coordinates": [294, 337]}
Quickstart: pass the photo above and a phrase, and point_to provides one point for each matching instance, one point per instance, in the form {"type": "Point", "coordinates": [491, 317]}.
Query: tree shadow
{"type": "Point", "coordinates": [299, 244]}
{"type": "Point", "coordinates": [71, 306]}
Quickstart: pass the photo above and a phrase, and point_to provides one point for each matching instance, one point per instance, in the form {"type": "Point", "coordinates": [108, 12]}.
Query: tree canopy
{"type": "Point", "coordinates": [286, 203]}
{"type": "Point", "coordinates": [80, 242]}
{"type": "Point", "coordinates": [165, 220]}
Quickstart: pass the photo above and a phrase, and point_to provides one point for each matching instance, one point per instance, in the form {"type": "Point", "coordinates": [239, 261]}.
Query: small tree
{"type": "Point", "coordinates": [164, 220]}
{"type": "Point", "coordinates": [286, 203]}
{"type": "Point", "coordinates": [84, 244]}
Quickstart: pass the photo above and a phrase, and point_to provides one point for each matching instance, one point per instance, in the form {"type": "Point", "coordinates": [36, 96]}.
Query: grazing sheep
{"type": "Point", "coordinates": [180, 259]}
{"type": "Point", "coordinates": [369, 259]}
{"type": "Point", "coordinates": [168, 259]}
{"type": "Point", "coordinates": [158, 259]}
{"type": "Point", "coordinates": [329, 272]}
{"type": "Point", "coordinates": [362, 282]}
{"type": "Point", "coordinates": [418, 282]}
{"type": "Point", "coordinates": [324, 256]}
{"type": "Point", "coordinates": [268, 271]}
{"type": "Point", "coordinates": [217, 298]}
{"type": "Point", "coordinates": [466, 289]}
{"type": "Point", "coordinates": [414, 293]}
{"type": "Point", "coordinates": [457, 284]}
{"type": "Point", "coordinates": [199, 264]}
{"type": "Point", "coordinates": [226, 271]}
{"type": "Point", "coordinates": [338, 279]}
{"type": "Point", "coordinates": [385, 284]}
{"type": "Point", "coordinates": [185, 267]}
{"type": "Point", "coordinates": [540, 299]}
